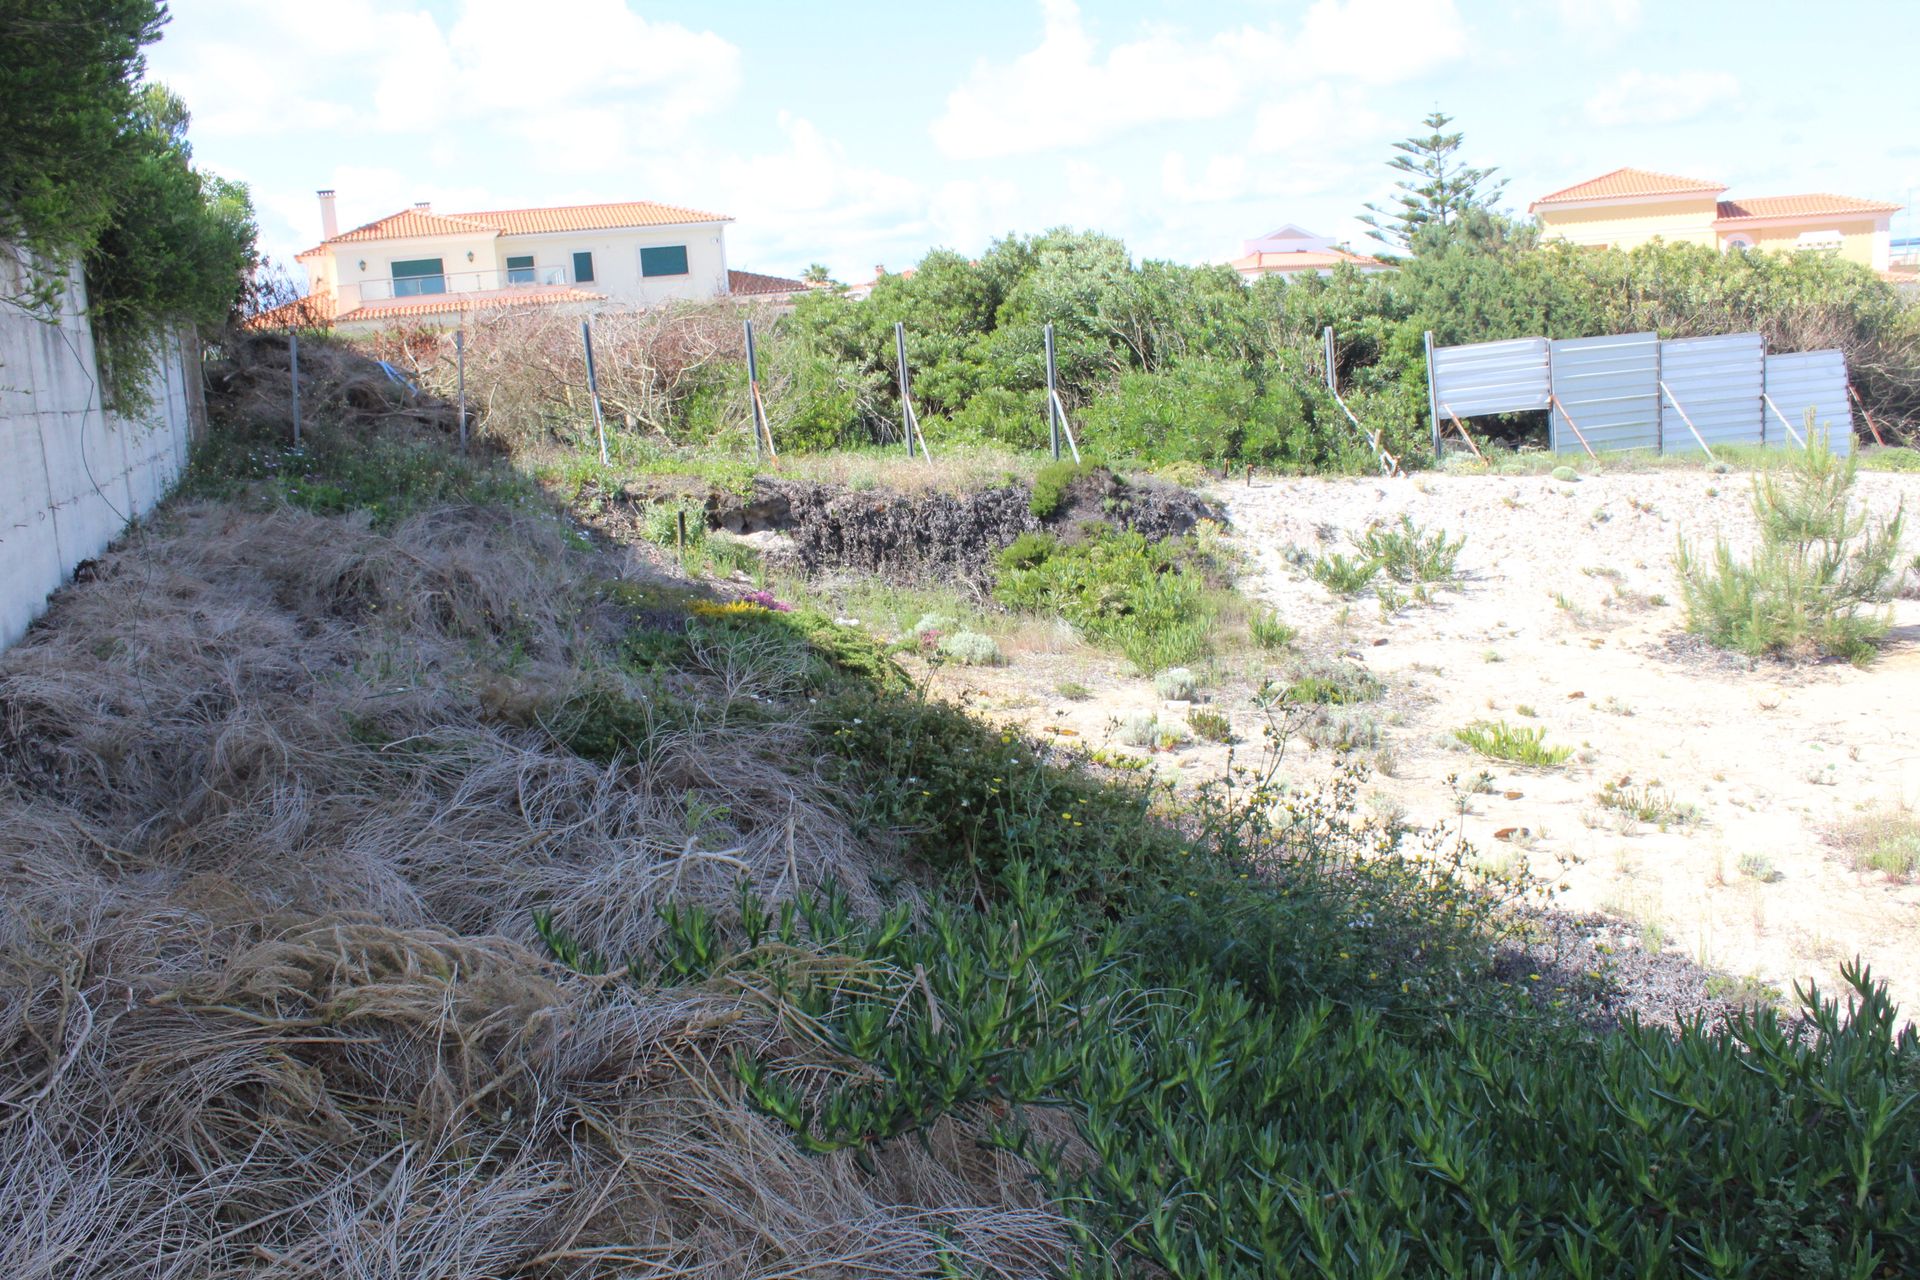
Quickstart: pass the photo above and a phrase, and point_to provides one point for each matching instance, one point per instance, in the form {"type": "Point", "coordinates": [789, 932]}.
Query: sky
{"type": "Point", "coordinates": [856, 134]}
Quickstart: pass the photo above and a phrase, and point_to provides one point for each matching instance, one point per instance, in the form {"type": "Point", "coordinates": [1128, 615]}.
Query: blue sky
{"type": "Point", "coordinates": [864, 133]}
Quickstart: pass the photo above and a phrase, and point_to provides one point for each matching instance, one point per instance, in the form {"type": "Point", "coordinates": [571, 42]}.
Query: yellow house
{"type": "Point", "coordinates": [1629, 207]}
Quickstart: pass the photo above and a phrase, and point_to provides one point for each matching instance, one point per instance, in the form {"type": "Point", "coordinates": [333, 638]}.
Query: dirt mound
{"type": "Point", "coordinates": [933, 534]}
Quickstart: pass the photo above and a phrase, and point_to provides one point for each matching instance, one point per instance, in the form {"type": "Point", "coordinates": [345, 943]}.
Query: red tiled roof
{"type": "Point", "coordinates": [1819, 204]}
{"type": "Point", "coordinates": [592, 217]}
{"type": "Point", "coordinates": [522, 222]}
{"type": "Point", "coordinates": [1627, 183]}
{"type": "Point", "coordinates": [450, 303]}
{"type": "Point", "coordinates": [313, 311]}
{"type": "Point", "coordinates": [1300, 260]}
{"type": "Point", "coordinates": [412, 222]}
{"type": "Point", "coordinates": [747, 283]}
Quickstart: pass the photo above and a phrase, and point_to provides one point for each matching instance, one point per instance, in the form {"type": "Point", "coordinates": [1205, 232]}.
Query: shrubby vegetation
{"type": "Point", "coordinates": [1820, 570]}
{"type": "Point", "coordinates": [96, 166]}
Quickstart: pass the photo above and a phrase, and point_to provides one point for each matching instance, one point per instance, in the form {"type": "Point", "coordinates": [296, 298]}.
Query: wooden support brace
{"type": "Point", "coordinates": [1574, 426]}
{"type": "Point", "coordinates": [1461, 427]}
{"type": "Point", "coordinates": [1871, 425]}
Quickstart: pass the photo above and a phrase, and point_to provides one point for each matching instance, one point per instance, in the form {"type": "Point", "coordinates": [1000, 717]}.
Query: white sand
{"type": "Point", "coordinates": [1774, 759]}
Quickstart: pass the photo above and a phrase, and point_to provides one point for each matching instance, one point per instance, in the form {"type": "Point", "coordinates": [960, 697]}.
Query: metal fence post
{"type": "Point", "coordinates": [293, 356]}
{"type": "Point", "coordinates": [1433, 403]}
{"type": "Point", "coordinates": [593, 388]}
{"type": "Point", "coordinates": [1053, 397]}
{"type": "Point", "coordinates": [906, 386]}
{"type": "Point", "coordinates": [460, 365]}
{"type": "Point", "coordinates": [1326, 349]}
{"type": "Point", "coordinates": [753, 390]}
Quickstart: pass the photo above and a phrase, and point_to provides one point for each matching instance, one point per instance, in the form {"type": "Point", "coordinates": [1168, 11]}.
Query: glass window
{"type": "Point", "coordinates": [664, 260]}
{"type": "Point", "coordinates": [583, 267]}
{"type": "Point", "coordinates": [418, 276]}
{"type": "Point", "coordinates": [520, 270]}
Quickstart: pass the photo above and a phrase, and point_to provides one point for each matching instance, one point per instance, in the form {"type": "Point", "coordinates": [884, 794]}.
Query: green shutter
{"type": "Point", "coordinates": [583, 267]}
{"type": "Point", "coordinates": [664, 260]}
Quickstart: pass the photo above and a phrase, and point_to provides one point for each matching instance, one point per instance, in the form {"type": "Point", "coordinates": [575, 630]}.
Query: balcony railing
{"type": "Point", "coordinates": [376, 290]}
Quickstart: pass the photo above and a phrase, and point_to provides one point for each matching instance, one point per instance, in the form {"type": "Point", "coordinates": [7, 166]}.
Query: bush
{"type": "Point", "coordinates": [1498, 740]}
{"type": "Point", "coordinates": [1176, 684]}
{"type": "Point", "coordinates": [1408, 554]}
{"type": "Point", "coordinates": [1331, 682]}
{"type": "Point", "coordinates": [1269, 632]}
{"type": "Point", "coordinates": [1150, 600]}
{"type": "Point", "coordinates": [1210, 725]}
{"type": "Point", "coordinates": [1344, 575]}
{"type": "Point", "coordinates": [663, 523]}
{"type": "Point", "coordinates": [970, 648]}
{"type": "Point", "coordinates": [1818, 568]}
{"type": "Point", "coordinates": [1566, 475]}
{"type": "Point", "coordinates": [1050, 485]}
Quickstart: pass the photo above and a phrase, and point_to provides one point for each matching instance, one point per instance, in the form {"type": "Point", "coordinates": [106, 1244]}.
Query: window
{"type": "Point", "coordinates": [1741, 243]}
{"type": "Point", "coordinates": [664, 260]}
{"type": "Point", "coordinates": [583, 267]}
{"type": "Point", "coordinates": [520, 270]}
{"type": "Point", "coordinates": [418, 276]}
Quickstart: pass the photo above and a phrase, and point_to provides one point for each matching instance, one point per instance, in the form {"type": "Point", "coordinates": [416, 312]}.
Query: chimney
{"type": "Point", "coordinates": [329, 220]}
{"type": "Point", "coordinates": [423, 206]}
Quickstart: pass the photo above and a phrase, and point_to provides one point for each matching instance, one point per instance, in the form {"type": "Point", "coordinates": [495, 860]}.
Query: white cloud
{"type": "Point", "coordinates": [1646, 97]}
{"type": "Point", "coordinates": [1600, 17]}
{"type": "Point", "coordinates": [1061, 94]}
{"type": "Point", "coordinates": [1380, 41]}
{"type": "Point", "coordinates": [1222, 177]}
{"type": "Point", "coordinates": [1065, 92]}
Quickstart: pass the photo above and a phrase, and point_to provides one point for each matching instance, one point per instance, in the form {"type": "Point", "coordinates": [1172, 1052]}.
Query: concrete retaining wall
{"type": "Point", "coordinates": [73, 477]}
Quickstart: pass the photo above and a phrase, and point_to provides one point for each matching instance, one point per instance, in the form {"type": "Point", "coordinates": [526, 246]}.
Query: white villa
{"type": "Point", "coordinates": [422, 267]}
{"type": "Point", "coordinates": [1293, 251]}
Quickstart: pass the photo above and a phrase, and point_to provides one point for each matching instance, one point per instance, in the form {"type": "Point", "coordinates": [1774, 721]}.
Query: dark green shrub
{"type": "Point", "coordinates": [1819, 567]}
{"type": "Point", "coordinates": [1050, 485]}
{"type": "Point", "coordinates": [1150, 600]}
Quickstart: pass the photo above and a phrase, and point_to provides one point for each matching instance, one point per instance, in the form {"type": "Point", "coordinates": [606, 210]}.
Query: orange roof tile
{"type": "Point", "coordinates": [1301, 260]}
{"type": "Point", "coordinates": [747, 283]}
{"type": "Point", "coordinates": [450, 303]}
{"type": "Point", "coordinates": [1624, 184]}
{"type": "Point", "coordinates": [520, 222]}
{"type": "Point", "coordinates": [313, 311]}
{"type": "Point", "coordinates": [592, 217]}
{"type": "Point", "coordinates": [1819, 204]}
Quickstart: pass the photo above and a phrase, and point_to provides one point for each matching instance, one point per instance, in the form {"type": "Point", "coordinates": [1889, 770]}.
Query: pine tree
{"type": "Point", "coordinates": [1438, 190]}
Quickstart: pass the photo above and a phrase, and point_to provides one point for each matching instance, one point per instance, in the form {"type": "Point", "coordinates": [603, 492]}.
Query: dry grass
{"type": "Point", "coordinates": [271, 832]}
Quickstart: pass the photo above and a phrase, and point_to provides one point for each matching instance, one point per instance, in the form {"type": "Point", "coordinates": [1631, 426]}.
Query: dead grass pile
{"type": "Point", "coordinates": [251, 383]}
{"type": "Point", "coordinates": [270, 1000]}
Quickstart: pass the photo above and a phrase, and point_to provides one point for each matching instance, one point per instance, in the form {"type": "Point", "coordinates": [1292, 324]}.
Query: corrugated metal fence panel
{"type": "Point", "coordinates": [1718, 382]}
{"type": "Point", "coordinates": [1803, 380]}
{"type": "Point", "coordinates": [1610, 387]}
{"type": "Point", "coordinates": [1491, 377]}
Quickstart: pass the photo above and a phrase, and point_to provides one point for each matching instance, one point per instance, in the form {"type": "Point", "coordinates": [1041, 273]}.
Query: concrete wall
{"type": "Point", "coordinates": [72, 477]}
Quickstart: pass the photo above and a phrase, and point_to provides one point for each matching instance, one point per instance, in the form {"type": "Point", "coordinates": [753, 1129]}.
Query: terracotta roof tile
{"type": "Point", "coordinates": [592, 217]}
{"type": "Point", "coordinates": [1301, 260]}
{"type": "Point", "coordinates": [1818, 204]}
{"type": "Point", "coordinates": [521, 222]}
{"type": "Point", "coordinates": [313, 311]}
{"type": "Point", "coordinates": [451, 303]}
{"type": "Point", "coordinates": [747, 283]}
{"type": "Point", "coordinates": [1627, 183]}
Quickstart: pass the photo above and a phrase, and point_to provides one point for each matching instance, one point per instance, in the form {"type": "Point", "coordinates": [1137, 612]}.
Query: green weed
{"type": "Point", "coordinates": [1498, 740]}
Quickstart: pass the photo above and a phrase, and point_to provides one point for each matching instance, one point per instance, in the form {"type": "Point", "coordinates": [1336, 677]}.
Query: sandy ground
{"type": "Point", "coordinates": [1774, 758]}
